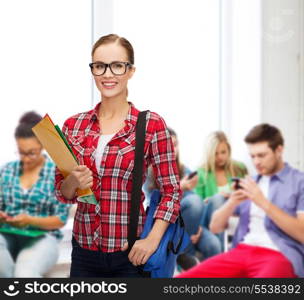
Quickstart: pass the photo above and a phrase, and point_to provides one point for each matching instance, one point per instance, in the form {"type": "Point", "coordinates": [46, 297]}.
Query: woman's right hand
{"type": "Point", "coordinates": [81, 177]}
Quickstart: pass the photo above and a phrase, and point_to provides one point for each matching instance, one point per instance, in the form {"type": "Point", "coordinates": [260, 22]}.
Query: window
{"type": "Point", "coordinates": [45, 51]}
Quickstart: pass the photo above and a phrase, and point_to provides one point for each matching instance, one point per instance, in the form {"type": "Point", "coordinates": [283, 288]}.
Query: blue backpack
{"type": "Point", "coordinates": [161, 263]}
{"type": "Point", "coordinates": [175, 239]}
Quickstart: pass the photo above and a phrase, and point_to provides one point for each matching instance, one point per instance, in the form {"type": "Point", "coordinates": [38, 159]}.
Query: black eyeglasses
{"type": "Point", "coordinates": [32, 154]}
{"type": "Point", "coordinates": [116, 67]}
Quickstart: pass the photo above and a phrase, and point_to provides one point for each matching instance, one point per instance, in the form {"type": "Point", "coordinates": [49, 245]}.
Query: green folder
{"type": "Point", "coordinates": [65, 141]}
{"type": "Point", "coordinates": [90, 199]}
{"type": "Point", "coordinates": [25, 232]}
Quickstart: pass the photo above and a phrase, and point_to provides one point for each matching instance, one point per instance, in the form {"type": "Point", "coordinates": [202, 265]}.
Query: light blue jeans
{"type": "Point", "coordinates": [22, 256]}
{"type": "Point", "coordinates": [192, 209]}
{"type": "Point", "coordinates": [211, 205]}
{"type": "Point", "coordinates": [209, 244]}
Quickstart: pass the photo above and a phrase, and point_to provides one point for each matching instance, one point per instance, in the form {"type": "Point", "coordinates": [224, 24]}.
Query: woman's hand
{"type": "Point", "coordinates": [3, 217]}
{"type": "Point", "coordinates": [144, 248]}
{"type": "Point", "coordinates": [80, 178]}
{"type": "Point", "coordinates": [19, 221]}
{"type": "Point", "coordinates": [141, 251]}
{"type": "Point", "coordinates": [188, 184]}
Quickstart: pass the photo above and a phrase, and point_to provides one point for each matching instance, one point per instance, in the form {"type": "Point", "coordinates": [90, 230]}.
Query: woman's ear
{"type": "Point", "coordinates": [131, 72]}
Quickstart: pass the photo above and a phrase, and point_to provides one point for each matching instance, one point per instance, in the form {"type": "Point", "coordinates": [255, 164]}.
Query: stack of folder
{"type": "Point", "coordinates": [55, 143]}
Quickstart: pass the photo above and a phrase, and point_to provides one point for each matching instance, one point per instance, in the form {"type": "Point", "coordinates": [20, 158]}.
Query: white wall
{"type": "Point", "coordinates": [176, 46]}
{"type": "Point", "coordinates": [282, 74]}
{"type": "Point", "coordinates": [45, 51]}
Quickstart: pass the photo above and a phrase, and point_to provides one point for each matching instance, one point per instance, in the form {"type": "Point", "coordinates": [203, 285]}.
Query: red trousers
{"type": "Point", "coordinates": [244, 261]}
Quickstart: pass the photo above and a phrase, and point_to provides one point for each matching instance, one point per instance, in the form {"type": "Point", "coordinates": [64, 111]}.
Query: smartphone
{"type": "Point", "coordinates": [237, 182]}
{"type": "Point", "coordinates": [191, 175]}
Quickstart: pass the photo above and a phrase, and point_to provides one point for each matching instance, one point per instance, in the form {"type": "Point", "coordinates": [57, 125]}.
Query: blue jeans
{"type": "Point", "coordinates": [209, 244]}
{"type": "Point", "coordinates": [211, 205]}
{"type": "Point", "coordinates": [192, 209]}
{"type": "Point", "coordinates": [89, 263]}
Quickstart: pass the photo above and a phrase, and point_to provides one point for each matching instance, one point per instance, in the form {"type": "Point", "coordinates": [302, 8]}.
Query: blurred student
{"type": "Point", "coordinates": [214, 176]}
{"type": "Point", "coordinates": [269, 240]}
{"type": "Point", "coordinates": [103, 139]}
{"type": "Point", "coordinates": [28, 204]}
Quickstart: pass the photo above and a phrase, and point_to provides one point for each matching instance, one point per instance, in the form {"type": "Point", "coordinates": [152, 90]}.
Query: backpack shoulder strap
{"type": "Point", "coordinates": [137, 177]}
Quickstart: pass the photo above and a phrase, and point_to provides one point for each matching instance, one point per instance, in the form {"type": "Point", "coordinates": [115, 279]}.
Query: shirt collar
{"type": "Point", "coordinates": [280, 175]}
{"type": "Point", "coordinates": [93, 114]}
{"type": "Point", "coordinates": [130, 120]}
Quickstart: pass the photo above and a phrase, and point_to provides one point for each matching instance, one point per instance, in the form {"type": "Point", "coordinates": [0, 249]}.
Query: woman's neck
{"type": "Point", "coordinates": [219, 169]}
{"type": "Point", "coordinates": [111, 108]}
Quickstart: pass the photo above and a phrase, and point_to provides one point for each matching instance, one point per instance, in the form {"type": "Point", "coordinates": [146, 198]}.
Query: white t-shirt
{"type": "Point", "coordinates": [257, 234]}
{"type": "Point", "coordinates": [102, 142]}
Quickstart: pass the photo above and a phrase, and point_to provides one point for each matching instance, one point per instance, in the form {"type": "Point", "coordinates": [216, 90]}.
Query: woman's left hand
{"type": "Point", "coordinates": [141, 251]}
{"type": "Point", "coordinates": [19, 221]}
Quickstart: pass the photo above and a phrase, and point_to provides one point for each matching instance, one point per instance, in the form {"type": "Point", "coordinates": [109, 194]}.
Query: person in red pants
{"type": "Point", "coordinates": [269, 240]}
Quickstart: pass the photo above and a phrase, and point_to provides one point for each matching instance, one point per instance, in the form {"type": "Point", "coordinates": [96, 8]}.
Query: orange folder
{"type": "Point", "coordinates": [54, 142]}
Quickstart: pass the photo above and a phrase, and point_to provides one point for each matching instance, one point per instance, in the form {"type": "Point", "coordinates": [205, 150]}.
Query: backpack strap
{"type": "Point", "coordinates": [137, 177]}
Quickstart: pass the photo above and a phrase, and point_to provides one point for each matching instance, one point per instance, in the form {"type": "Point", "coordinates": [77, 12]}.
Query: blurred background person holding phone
{"type": "Point", "coordinates": [269, 241]}
{"type": "Point", "coordinates": [215, 175]}
{"type": "Point", "coordinates": [30, 215]}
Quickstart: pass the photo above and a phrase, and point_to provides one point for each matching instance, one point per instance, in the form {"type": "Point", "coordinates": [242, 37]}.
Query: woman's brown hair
{"type": "Point", "coordinates": [114, 38]}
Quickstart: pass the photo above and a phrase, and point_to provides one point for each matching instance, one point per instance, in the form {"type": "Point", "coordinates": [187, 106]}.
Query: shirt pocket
{"type": "Point", "coordinates": [290, 206]}
{"type": "Point", "coordinates": [82, 147]}
{"type": "Point", "coordinates": [125, 157]}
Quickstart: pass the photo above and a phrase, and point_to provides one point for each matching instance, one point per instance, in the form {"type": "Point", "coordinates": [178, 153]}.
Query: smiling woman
{"type": "Point", "coordinates": [103, 139]}
{"type": "Point", "coordinates": [30, 216]}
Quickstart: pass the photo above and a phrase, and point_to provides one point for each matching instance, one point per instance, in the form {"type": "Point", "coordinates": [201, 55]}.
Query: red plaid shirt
{"type": "Point", "coordinates": [105, 226]}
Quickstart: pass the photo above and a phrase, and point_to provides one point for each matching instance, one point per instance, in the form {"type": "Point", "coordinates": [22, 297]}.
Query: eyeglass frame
{"type": "Point", "coordinates": [30, 154]}
{"type": "Point", "coordinates": [126, 63]}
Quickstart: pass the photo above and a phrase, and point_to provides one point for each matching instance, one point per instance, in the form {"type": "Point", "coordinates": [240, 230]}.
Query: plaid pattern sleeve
{"type": "Point", "coordinates": [166, 172]}
{"type": "Point", "coordinates": [105, 226]}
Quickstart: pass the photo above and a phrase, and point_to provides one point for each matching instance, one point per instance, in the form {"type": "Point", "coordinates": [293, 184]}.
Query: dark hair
{"type": "Point", "coordinates": [265, 133]}
{"type": "Point", "coordinates": [26, 122]}
{"type": "Point", "coordinates": [114, 38]}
